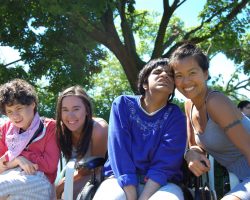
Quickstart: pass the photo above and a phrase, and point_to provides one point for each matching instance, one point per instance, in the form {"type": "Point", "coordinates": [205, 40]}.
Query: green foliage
{"type": "Point", "coordinates": [108, 84]}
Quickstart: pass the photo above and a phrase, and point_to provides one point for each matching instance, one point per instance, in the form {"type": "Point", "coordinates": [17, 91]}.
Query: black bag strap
{"type": "Point", "coordinates": [38, 131]}
{"type": "Point", "coordinates": [202, 192]}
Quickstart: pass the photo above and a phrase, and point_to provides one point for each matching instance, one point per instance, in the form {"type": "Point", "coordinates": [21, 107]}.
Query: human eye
{"type": "Point", "coordinates": [177, 76]}
{"type": "Point", "coordinates": [157, 71]}
{"type": "Point", "coordinates": [8, 112]}
{"type": "Point", "coordinates": [76, 108]}
{"type": "Point", "coordinates": [193, 72]}
{"type": "Point", "coordinates": [19, 108]}
{"type": "Point", "coordinates": [64, 109]}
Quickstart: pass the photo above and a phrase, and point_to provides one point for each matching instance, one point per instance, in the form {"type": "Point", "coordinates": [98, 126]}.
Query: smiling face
{"type": "Point", "coordinates": [73, 113]}
{"type": "Point", "coordinates": [20, 115]}
{"type": "Point", "coordinates": [160, 80]}
{"type": "Point", "coordinates": [189, 77]}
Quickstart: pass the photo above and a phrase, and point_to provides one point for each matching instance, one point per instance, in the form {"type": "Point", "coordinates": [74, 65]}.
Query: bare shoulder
{"type": "Point", "coordinates": [218, 101]}
{"type": "Point", "coordinates": [221, 109]}
{"type": "Point", "coordinates": [99, 137]}
{"type": "Point", "coordinates": [100, 127]}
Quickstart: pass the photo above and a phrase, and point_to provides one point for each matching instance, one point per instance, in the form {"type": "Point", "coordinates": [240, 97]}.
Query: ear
{"type": "Point", "coordinates": [145, 86]}
{"type": "Point", "coordinates": [33, 105]}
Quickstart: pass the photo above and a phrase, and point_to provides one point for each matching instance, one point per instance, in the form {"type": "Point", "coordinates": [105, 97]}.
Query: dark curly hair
{"type": "Point", "coordinates": [17, 91]}
{"type": "Point", "coordinates": [145, 72]}
{"type": "Point", "coordinates": [64, 135]}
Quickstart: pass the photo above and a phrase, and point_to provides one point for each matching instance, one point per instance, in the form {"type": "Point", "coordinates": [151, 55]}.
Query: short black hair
{"type": "Point", "coordinates": [190, 50]}
{"type": "Point", "coordinates": [243, 104]}
{"type": "Point", "coordinates": [145, 72]}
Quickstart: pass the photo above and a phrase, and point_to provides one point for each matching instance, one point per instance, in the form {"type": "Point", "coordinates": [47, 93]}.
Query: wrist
{"type": "Point", "coordinates": [191, 151]}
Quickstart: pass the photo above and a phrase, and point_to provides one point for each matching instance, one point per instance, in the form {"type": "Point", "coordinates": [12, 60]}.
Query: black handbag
{"type": "Point", "coordinates": [202, 191]}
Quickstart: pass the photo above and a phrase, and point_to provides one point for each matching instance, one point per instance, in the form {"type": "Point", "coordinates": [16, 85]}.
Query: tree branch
{"type": "Point", "coordinates": [213, 31]}
{"type": "Point", "coordinates": [129, 40]}
{"type": "Point", "coordinates": [5, 65]}
{"type": "Point", "coordinates": [167, 14]}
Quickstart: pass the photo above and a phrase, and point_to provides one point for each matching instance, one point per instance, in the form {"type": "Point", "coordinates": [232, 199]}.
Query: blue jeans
{"type": "Point", "coordinates": [110, 189]}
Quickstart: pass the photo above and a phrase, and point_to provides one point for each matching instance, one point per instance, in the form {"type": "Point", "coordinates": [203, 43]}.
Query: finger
{"type": "Point", "coordinates": [194, 167]}
{"type": "Point", "coordinates": [35, 166]}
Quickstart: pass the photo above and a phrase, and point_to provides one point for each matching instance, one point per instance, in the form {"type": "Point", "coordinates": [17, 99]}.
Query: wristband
{"type": "Point", "coordinates": [185, 154]}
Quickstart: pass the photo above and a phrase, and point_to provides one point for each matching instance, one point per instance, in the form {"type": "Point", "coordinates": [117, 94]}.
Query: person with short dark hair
{"type": "Point", "coordinates": [80, 134]}
{"type": "Point", "coordinates": [29, 152]}
{"type": "Point", "coordinates": [146, 140]}
{"type": "Point", "coordinates": [215, 125]}
{"type": "Point", "coordinates": [244, 107]}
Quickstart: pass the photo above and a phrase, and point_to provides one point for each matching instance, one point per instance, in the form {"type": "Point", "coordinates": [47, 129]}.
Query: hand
{"type": "Point", "coordinates": [27, 166]}
{"type": "Point", "coordinates": [197, 162]}
{"type": "Point", "coordinates": [59, 189]}
{"type": "Point", "coordinates": [3, 166]}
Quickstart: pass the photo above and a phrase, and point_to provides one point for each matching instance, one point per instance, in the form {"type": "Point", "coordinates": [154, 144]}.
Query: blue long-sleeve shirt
{"type": "Point", "coordinates": [143, 144]}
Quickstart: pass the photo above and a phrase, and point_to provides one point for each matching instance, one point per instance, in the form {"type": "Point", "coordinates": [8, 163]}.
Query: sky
{"type": "Point", "coordinates": [188, 12]}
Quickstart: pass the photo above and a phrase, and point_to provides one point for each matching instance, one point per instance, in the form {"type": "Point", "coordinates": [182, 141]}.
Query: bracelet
{"type": "Point", "coordinates": [185, 154]}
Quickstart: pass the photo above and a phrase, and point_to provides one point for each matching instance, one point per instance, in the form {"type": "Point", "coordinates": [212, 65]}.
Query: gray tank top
{"type": "Point", "coordinates": [217, 144]}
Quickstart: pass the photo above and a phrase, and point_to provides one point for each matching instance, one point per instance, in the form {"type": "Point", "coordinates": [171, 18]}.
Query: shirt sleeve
{"type": "Point", "coordinates": [119, 144]}
{"type": "Point", "coordinates": [3, 147]}
{"type": "Point", "coordinates": [47, 160]}
{"type": "Point", "coordinates": [166, 163]}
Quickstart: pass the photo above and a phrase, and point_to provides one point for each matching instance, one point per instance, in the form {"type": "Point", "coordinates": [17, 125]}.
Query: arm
{"type": "Point", "coordinates": [149, 189]}
{"type": "Point", "coordinates": [195, 154]}
{"type": "Point", "coordinates": [98, 148]}
{"type": "Point", "coordinates": [99, 138]}
{"type": "Point", "coordinates": [119, 147]}
{"type": "Point", "coordinates": [223, 112]}
{"type": "Point", "coordinates": [3, 148]}
{"type": "Point", "coordinates": [130, 192]}
{"type": "Point", "coordinates": [99, 143]}
{"type": "Point", "coordinates": [27, 166]}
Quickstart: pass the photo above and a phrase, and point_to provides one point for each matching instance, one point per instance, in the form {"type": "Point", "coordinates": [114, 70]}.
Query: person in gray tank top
{"type": "Point", "coordinates": [214, 124]}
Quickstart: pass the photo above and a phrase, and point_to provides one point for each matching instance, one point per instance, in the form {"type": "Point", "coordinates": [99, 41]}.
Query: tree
{"type": "Point", "coordinates": [107, 85]}
{"type": "Point", "coordinates": [64, 41]}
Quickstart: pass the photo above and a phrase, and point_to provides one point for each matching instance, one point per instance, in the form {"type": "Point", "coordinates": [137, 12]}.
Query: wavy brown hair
{"type": "Point", "coordinates": [17, 91]}
{"type": "Point", "coordinates": [64, 135]}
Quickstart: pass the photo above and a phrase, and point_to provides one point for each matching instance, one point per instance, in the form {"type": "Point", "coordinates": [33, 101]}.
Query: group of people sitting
{"type": "Point", "coordinates": [147, 138]}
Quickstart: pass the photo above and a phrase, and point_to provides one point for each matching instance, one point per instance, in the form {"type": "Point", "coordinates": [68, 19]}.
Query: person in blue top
{"type": "Point", "coordinates": [146, 140]}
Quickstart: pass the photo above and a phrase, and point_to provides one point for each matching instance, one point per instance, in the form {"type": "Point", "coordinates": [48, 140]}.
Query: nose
{"type": "Point", "coordinates": [15, 115]}
{"type": "Point", "coordinates": [70, 114]}
{"type": "Point", "coordinates": [164, 74]}
{"type": "Point", "coordinates": [185, 79]}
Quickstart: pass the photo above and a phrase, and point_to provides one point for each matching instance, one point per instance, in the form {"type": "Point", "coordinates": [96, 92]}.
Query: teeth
{"type": "Point", "coordinates": [189, 89]}
{"type": "Point", "coordinates": [71, 122]}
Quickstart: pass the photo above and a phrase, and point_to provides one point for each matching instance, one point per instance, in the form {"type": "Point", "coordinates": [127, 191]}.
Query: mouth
{"type": "Point", "coordinates": [17, 122]}
{"type": "Point", "coordinates": [71, 122]}
{"type": "Point", "coordinates": [188, 89]}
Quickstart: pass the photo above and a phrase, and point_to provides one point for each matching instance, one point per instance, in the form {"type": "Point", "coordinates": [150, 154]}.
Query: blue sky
{"type": "Point", "coordinates": [188, 11]}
